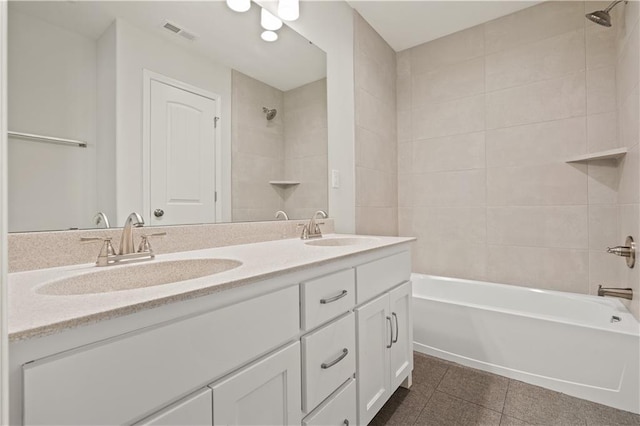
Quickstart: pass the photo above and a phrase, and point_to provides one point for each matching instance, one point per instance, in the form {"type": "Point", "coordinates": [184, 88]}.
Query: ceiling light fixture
{"type": "Point", "coordinates": [269, 36]}
{"type": "Point", "coordinates": [289, 10]}
{"type": "Point", "coordinates": [269, 21]}
{"type": "Point", "coordinates": [239, 5]}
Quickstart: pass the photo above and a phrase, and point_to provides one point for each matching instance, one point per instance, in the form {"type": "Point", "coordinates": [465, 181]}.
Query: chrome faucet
{"type": "Point", "coordinates": [623, 293]}
{"type": "Point", "coordinates": [281, 213]}
{"type": "Point", "coordinates": [312, 229]}
{"type": "Point", "coordinates": [126, 242]}
{"type": "Point", "coordinates": [628, 250]}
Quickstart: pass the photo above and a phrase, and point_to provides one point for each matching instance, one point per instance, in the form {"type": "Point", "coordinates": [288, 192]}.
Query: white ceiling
{"type": "Point", "coordinates": [227, 37]}
{"type": "Point", "coordinates": [404, 24]}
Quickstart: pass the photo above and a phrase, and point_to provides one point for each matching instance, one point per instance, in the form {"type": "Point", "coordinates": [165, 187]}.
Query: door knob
{"type": "Point", "coordinates": [158, 212]}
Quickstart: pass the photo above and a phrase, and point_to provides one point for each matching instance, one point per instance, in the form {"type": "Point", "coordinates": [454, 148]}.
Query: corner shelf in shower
{"type": "Point", "coordinates": [611, 154]}
{"type": "Point", "coordinates": [284, 183]}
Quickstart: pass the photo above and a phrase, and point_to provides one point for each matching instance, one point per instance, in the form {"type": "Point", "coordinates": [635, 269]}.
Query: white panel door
{"type": "Point", "coordinates": [402, 348]}
{"type": "Point", "coordinates": [265, 393]}
{"type": "Point", "coordinates": [182, 156]}
{"type": "Point", "coordinates": [374, 340]}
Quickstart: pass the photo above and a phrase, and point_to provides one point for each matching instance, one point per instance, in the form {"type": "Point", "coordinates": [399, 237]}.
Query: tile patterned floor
{"type": "Point", "coordinates": [444, 393]}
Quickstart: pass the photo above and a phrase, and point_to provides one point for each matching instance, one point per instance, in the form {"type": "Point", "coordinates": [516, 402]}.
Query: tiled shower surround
{"type": "Point", "coordinates": [486, 118]}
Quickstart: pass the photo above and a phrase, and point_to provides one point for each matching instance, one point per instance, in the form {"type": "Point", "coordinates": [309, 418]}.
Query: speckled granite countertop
{"type": "Point", "coordinates": [32, 314]}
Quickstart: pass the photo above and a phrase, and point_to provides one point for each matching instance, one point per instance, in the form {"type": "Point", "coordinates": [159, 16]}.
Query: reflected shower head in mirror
{"type": "Point", "coordinates": [602, 17]}
{"type": "Point", "coordinates": [271, 113]}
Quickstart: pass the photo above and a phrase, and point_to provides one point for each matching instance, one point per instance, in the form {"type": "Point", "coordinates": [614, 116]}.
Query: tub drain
{"type": "Point", "coordinates": [615, 318]}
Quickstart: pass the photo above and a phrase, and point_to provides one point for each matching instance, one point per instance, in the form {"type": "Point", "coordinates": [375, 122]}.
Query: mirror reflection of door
{"type": "Point", "coordinates": [182, 156]}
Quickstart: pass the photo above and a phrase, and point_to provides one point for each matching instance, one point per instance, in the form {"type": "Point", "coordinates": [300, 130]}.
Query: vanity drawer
{"type": "Point", "coordinates": [376, 277]}
{"type": "Point", "coordinates": [328, 359]}
{"type": "Point", "coordinates": [123, 379]}
{"type": "Point", "coordinates": [327, 297]}
{"type": "Point", "coordinates": [338, 409]}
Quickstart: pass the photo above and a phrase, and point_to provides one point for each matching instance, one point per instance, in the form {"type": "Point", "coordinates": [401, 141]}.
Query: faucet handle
{"type": "Point", "coordinates": [144, 242]}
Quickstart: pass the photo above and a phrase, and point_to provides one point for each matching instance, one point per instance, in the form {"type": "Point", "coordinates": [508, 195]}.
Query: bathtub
{"type": "Point", "coordinates": [566, 342]}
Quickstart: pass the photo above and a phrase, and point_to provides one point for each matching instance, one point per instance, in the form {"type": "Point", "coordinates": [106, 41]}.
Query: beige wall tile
{"type": "Point", "coordinates": [448, 258]}
{"type": "Point", "coordinates": [405, 190]}
{"type": "Point", "coordinates": [451, 223]}
{"type": "Point", "coordinates": [630, 225]}
{"type": "Point", "coordinates": [602, 132]}
{"type": "Point", "coordinates": [549, 184]}
{"type": "Point", "coordinates": [376, 188]}
{"type": "Point", "coordinates": [546, 268]}
{"type": "Point", "coordinates": [451, 49]}
{"type": "Point", "coordinates": [375, 152]}
{"type": "Point", "coordinates": [553, 226]}
{"type": "Point", "coordinates": [405, 222]}
{"type": "Point", "coordinates": [449, 118]}
{"type": "Point", "coordinates": [449, 82]}
{"type": "Point", "coordinates": [540, 143]}
{"type": "Point", "coordinates": [375, 78]}
{"type": "Point", "coordinates": [459, 152]}
{"type": "Point", "coordinates": [604, 226]}
{"type": "Point", "coordinates": [601, 46]}
{"type": "Point", "coordinates": [543, 101]}
{"type": "Point", "coordinates": [403, 63]}
{"type": "Point", "coordinates": [375, 115]}
{"type": "Point", "coordinates": [629, 186]}
{"type": "Point", "coordinates": [459, 188]}
{"type": "Point", "coordinates": [603, 182]}
{"type": "Point", "coordinates": [404, 94]}
{"type": "Point", "coordinates": [377, 221]}
{"type": "Point", "coordinates": [604, 269]}
{"type": "Point", "coordinates": [404, 125]}
{"type": "Point", "coordinates": [542, 60]}
{"type": "Point", "coordinates": [535, 23]}
{"type": "Point", "coordinates": [629, 120]}
{"type": "Point", "coordinates": [405, 158]}
{"type": "Point", "coordinates": [628, 65]}
{"type": "Point", "coordinates": [601, 90]}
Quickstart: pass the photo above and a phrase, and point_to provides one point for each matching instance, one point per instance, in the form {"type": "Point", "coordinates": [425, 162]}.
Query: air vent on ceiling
{"type": "Point", "coordinates": [179, 31]}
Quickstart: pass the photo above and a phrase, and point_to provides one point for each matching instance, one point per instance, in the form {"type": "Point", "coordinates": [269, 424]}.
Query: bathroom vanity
{"type": "Point", "coordinates": [299, 333]}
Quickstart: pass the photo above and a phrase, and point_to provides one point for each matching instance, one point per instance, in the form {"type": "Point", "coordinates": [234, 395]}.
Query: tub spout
{"type": "Point", "coordinates": [624, 293]}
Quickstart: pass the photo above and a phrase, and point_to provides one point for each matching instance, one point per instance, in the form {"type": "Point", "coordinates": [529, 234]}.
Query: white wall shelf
{"type": "Point", "coordinates": [284, 182]}
{"type": "Point", "coordinates": [611, 154]}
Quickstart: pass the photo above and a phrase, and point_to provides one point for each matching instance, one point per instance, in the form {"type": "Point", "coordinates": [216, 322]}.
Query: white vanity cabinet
{"type": "Point", "coordinates": [324, 345]}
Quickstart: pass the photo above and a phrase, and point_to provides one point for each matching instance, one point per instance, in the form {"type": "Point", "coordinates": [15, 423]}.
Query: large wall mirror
{"type": "Point", "coordinates": [175, 109]}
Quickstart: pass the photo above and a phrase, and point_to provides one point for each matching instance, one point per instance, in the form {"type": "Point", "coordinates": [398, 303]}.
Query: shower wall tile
{"type": "Point", "coordinates": [628, 119]}
{"type": "Point", "coordinates": [604, 226]}
{"type": "Point", "coordinates": [450, 258]}
{"type": "Point", "coordinates": [383, 91]}
{"type": "Point", "coordinates": [629, 225]}
{"type": "Point", "coordinates": [604, 180]}
{"type": "Point", "coordinates": [449, 82]}
{"type": "Point", "coordinates": [452, 49]}
{"type": "Point", "coordinates": [548, 184]}
{"type": "Point", "coordinates": [542, 60]}
{"type": "Point", "coordinates": [405, 158]}
{"type": "Point", "coordinates": [454, 188]}
{"type": "Point", "coordinates": [544, 101]}
{"type": "Point", "coordinates": [629, 186]}
{"type": "Point", "coordinates": [559, 227]}
{"type": "Point", "coordinates": [535, 144]}
{"type": "Point", "coordinates": [449, 118]}
{"type": "Point", "coordinates": [454, 223]}
{"type": "Point", "coordinates": [602, 132]}
{"type": "Point", "coordinates": [535, 23]}
{"type": "Point", "coordinates": [604, 269]}
{"type": "Point", "coordinates": [546, 268]}
{"type": "Point", "coordinates": [459, 152]}
{"type": "Point", "coordinates": [601, 90]}
{"type": "Point", "coordinates": [601, 46]}
{"type": "Point", "coordinates": [628, 64]}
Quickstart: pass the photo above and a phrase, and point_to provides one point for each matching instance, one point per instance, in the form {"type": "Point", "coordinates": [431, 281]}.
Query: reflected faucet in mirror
{"type": "Point", "coordinates": [282, 214]}
{"type": "Point", "coordinates": [101, 218]}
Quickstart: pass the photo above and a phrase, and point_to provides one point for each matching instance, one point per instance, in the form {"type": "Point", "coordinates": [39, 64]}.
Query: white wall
{"type": "Point", "coordinates": [136, 51]}
{"type": "Point", "coordinates": [52, 91]}
{"type": "Point", "coordinates": [329, 25]}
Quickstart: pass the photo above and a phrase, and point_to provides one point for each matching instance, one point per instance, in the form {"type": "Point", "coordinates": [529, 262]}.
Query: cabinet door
{"type": "Point", "coordinates": [374, 340]}
{"type": "Point", "coordinates": [195, 410]}
{"type": "Point", "coordinates": [402, 349]}
{"type": "Point", "coordinates": [266, 392]}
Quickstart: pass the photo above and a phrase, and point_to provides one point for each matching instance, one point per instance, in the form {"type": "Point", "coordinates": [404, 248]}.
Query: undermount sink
{"type": "Point", "coordinates": [138, 276]}
{"type": "Point", "coordinates": [339, 242]}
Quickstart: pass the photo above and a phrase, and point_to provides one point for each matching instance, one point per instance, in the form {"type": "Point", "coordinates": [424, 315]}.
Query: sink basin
{"type": "Point", "coordinates": [338, 242]}
{"type": "Point", "coordinates": [138, 276]}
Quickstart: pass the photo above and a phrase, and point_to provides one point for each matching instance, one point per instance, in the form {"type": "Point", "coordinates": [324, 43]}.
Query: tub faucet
{"type": "Point", "coordinates": [312, 229]}
{"type": "Point", "coordinates": [624, 293]}
{"type": "Point", "coordinates": [126, 242]}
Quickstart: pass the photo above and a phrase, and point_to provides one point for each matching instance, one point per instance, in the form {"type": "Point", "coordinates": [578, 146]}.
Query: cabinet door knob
{"type": "Point", "coordinates": [158, 212]}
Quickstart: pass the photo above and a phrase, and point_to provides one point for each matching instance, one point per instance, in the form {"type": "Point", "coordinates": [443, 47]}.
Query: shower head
{"type": "Point", "coordinates": [271, 113]}
{"type": "Point", "coordinates": [602, 17]}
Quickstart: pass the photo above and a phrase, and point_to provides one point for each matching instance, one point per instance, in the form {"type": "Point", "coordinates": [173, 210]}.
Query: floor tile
{"type": "Point", "coordinates": [403, 408]}
{"type": "Point", "coordinates": [602, 415]}
{"type": "Point", "coordinates": [427, 372]}
{"type": "Point", "coordinates": [479, 387]}
{"type": "Point", "coordinates": [541, 406]}
{"type": "Point", "coordinates": [512, 421]}
{"type": "Point", "coordinates": [446, 410]}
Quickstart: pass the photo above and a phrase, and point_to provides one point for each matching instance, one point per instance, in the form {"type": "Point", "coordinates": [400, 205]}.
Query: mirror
{"type": "Point", "coordinates": [187, 115]}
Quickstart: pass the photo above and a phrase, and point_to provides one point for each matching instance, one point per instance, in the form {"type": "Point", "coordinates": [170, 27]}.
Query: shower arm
{"type": "Point", "coordinates": [613, 4]}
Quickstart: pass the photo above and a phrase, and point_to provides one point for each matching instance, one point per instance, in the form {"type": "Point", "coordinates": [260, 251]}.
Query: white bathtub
{"type": "Point", "coordinates": [560, 341]}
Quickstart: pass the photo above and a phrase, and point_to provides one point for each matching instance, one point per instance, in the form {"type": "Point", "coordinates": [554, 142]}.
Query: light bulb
{"type": "Point", "coordinates": [289, 10]}
{"type": "Point", "coordinates": [269, 21]}
{"type": "Point", "coordinates": [269, 36]}
{"type": "Point", "coordinates": [239, 5]}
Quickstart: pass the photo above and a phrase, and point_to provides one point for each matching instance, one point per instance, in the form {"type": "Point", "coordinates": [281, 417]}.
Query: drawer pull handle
{"type": "Point", "coordinates": [390, 333]}
{"type": "Point", "coordinates": [344, 353]}
{"type": "Point", "coordinates": [396, 318]}
{"type": "Point", "coordinates": [334, 298]}
{"type": "Point", "coordinates": [346, 422]}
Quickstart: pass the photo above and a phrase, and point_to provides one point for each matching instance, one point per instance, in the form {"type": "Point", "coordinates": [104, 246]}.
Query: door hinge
{"type": "Point", "coordinates": [215, 122]}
